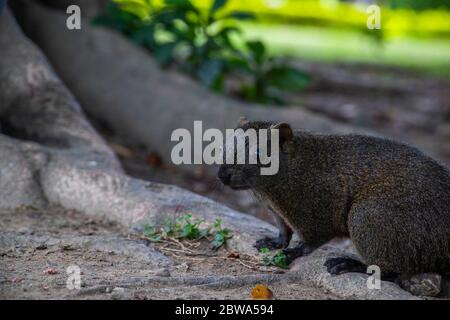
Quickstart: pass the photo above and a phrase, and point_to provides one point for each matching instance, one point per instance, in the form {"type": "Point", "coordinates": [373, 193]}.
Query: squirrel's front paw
{"type": "Point", "coordinates": [300, 250]}
{"type": "Point", "coordinates": [271, 243]}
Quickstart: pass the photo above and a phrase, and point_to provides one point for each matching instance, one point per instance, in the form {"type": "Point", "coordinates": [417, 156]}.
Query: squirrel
{"type": "Point", "coordinates": [389, 198]}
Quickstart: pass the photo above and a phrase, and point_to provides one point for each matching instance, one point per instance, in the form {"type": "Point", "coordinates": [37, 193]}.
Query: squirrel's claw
{"type": "Point", "coordinates": [298, 251]}
{"type": "Point", "coordinates": [336, 266]}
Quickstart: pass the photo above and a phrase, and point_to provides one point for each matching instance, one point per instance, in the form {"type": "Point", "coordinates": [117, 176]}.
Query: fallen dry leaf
{"type": "Point", "coordinates": [261, 292]}
{"type": "Point", "coordinates": [233, 255]}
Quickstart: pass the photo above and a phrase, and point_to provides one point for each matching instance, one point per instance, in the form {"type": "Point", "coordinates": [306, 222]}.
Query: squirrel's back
{"type": "Point", "coordinates": [390, 198]}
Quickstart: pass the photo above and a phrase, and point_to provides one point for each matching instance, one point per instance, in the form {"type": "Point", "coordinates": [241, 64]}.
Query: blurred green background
{"type": "Point", "coordinates": [414, 33]}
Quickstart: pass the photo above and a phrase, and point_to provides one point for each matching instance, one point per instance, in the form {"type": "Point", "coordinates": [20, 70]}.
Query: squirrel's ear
{"type": "Point", "coordinates": [242, 121]}
{"type": "Point", "coordinates": [285, 130]}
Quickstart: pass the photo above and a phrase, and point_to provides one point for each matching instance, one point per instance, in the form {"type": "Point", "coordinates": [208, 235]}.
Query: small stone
{"type": "Point", "coordinates": [108, 290]}
{"type": "Point", "coordinates": [118, 293]}
{"type": "Point", "coordinates": [162, 273]}
{"type": "Point", "coordinates": [425, 284]}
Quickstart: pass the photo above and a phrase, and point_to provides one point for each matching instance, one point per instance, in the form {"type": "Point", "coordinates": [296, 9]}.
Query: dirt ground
{"type": "Point", "coordinates": [36, 266]}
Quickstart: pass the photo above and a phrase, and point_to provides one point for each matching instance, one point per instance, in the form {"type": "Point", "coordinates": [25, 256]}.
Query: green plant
{"type": "Point", "coordinates": [278, 259]}
{"type": "Point", "coordinates": [201, 40]}
{"type": "Point", "coordinates": [151, 233]}
{"type": "Point", "coordinates": [189, 228]}
{"type": "Point", "coordinates": [131, 23]}
{"type": "Point", "coordinates": [201, 43]}
{"type": "Point", "coordinates": [420, 4]}
{"type": "Point", "coordinates": [220, 234]}
{"type": "Point", "coordinates": [268, 76]}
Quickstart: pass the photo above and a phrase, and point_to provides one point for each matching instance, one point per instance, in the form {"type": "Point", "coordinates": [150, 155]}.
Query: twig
{"type": "Point", "coordinates": [189, 253]}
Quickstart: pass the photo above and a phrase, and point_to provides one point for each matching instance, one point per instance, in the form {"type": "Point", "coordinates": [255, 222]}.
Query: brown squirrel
{"type": "Point", "coordinates": [389, 198]}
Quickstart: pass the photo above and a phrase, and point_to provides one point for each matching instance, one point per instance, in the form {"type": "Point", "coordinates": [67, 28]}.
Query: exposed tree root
{"type": "Point", "coordinates": [51, 154]}
{"type": "Point", "coordinates": [205, 282]}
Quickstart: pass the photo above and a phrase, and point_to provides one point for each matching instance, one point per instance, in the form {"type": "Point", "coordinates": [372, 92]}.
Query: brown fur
{"type": "Point", "coordinates": [392, 200]}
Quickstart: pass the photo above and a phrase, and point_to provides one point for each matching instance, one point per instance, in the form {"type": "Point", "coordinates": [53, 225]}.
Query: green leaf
{"type": "Point", "coordinates": [257, 50]}
{"type": "Point", "coordinates": [239, 64]}
{"type": "Point", "coordinates": [228, 30]}
{"type": "Point", "coordinates": [217, 4]}
{"type": "Point", "coordinates": [220, 238]}
{"type": "Point", "coordinates": [183, 5]}
{"type": "Point", "coordinates": [151, 233]}
{"type": "Point", "coordinates": [164, 53]}
{"type": "Point", "coordinates": [280, 260]}
{"type": "Point", "coordinates": [240, 15]}
{"type": "Point", "coordinates": [140, 8]}
{"type": "Point", "coordinates": [223, 39]}
{"type": "Point", "coordinates": [286, 78]}
{"type": "Point", "coordinates": [169, 226]}
{"type": "Point", "coordinates": [218, 223]}
{"type": "Point", "coordinates": [264, 250]}
{"type": "Point", "coordinates": [148, 230]}
{"type": "Point", "coordinates": [143, 36]}
{"type": "Point", "coordinates": [218, 241]}
{"type": "Point", "coordinates": [190, 232]}
{"type": "Point", "coordinates": [118, 19]}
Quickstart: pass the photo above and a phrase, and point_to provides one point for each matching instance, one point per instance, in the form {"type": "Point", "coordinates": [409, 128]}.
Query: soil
{"type": "Point", "coordinates": [37, 270]}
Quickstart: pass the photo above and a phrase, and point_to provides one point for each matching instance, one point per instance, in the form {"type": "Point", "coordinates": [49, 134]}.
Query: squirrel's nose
{"type": "Point", "coordinates": [224, 176]}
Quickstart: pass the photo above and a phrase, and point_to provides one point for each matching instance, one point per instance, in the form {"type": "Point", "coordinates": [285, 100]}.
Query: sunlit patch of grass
{"type": "Point", "coordinates": [340, 45]}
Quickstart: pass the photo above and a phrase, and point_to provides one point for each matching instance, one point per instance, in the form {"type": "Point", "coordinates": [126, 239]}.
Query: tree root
{"type": "Point", "coordinates": [203, 282]}
{"type": "Point", "coordinates": [56, 157]}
